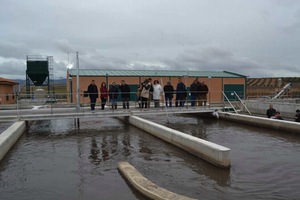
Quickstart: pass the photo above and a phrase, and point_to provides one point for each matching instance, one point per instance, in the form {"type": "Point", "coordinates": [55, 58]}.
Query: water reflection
{"type": "Point", "coordinates": [146, 153]}
{"type": "Point", "coordinates": [126, 143]}
{"type": "Point", "coordinates": [4, 126]}
{"type": "Point", "coordinates": [80, 170]}
{"type": "Point", "coordinates": [220, 176]}
{"type": "Point", "coordinates": [94, 152]}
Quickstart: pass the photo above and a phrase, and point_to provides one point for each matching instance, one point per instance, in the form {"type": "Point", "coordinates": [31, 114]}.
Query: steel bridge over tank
{"type": "Point", "coordinates": [46, 113]}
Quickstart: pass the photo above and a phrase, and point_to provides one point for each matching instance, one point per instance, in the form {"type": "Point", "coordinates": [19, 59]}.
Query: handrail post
{"type": "Point", "coordinates": [229, 102]}
{"type": "Point", "coordinates": [18, 111]}
{"type": "Point", "coordinates": [77, 84]}
{"type": "Point", "coordinates": [242, 102]}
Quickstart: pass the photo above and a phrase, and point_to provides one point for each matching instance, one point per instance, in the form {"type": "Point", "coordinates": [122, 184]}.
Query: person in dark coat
{"type": "Point", "coordinates": [271, 111]}
{"type": "Point", "coordinates": [93, 94]}
{"type": "Point", "coordinates": [180, 93]}
{"type": "Point", "coordinates": [150, 92]}
{"type": "Point", "coordinates": [169, 91]}
{"type": "Point", "coordinates": [113, 95]}
{"type": "Point", "coordinates": [203, 91]}
{"type": "Point", "coordinates": [194, 92]}
{"type": "Point", "coordinates": [125, 94]}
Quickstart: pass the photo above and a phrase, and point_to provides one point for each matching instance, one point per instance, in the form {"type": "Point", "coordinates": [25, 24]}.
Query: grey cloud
{"type": "Point", "coordinates": [59, 70]}
{"type": "Point", "coordinates": [14, 50]}
{"type": "Point", "coordinates": [213, 59]}
{"type": "Point", "coordinates": [255, 39]}
{"type": "Point", "coordinates": [14, 69]}
{"type": "Point", "coordinates": [63, 45]}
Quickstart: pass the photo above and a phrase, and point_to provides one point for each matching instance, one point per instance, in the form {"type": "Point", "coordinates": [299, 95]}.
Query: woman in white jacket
{"type": "Point", "coordinates": [157, 92]}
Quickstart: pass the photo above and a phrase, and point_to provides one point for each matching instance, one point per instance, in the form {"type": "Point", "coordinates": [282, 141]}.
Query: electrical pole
{"type": "Point", "coordinates": [77, 85]}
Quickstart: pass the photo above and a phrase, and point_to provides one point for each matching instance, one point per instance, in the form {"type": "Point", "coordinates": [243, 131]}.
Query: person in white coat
{"type": "Point", "coordinates": [157, 92]}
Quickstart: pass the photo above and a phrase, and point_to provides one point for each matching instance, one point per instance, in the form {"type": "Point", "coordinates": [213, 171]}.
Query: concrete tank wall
{"type": "Point", "coordinates": [9, 137]}
{"type": "Point", "coordinates": [213, 153]}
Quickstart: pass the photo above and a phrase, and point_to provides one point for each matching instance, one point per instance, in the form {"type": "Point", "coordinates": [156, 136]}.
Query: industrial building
{"type": "Point", "coordinates": [8, 89]}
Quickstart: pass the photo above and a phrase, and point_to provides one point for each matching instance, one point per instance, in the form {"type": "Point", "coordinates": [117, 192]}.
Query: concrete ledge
{"type": "Point", "coordinates": [288, 126]}
{"type": "Point", "coordinates": [9, 137]}
{"type": "Point", "coordinates": [145, 186]}
{"type": "Point", "coordinates": [211, 152]}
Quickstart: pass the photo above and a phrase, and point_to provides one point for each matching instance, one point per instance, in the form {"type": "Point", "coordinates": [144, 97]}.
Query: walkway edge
{"type": "Point", "coordinates": [9, 137]}
{"type": "Point", "coordinates": [288, 126]}
{"type": "Point", "coordinates": [211, 152]}
{"type": "Point", "coordinates": [146, 187]}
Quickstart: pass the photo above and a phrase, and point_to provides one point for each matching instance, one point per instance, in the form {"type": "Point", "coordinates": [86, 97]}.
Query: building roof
{"type": "Point", "coordinates": [153, 73]}
{"type": "Point", "coordinates": [5, 81]}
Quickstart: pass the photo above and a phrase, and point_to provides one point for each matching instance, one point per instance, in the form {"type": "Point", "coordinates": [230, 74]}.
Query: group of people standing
{"type": "Point", "coordinates": [199, 91]}
{"type": "Point", "coordinates": [147, 92]}
{"type": "Point", "coordinates": [112, 93]}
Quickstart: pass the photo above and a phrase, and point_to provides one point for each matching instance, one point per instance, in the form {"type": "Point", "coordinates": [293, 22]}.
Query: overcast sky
{"type": "Point", "coordinates": [256, 38]}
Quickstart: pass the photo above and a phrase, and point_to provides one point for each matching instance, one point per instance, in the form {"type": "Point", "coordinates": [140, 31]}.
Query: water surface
{"type": "Point", "coordinates": [54, 160]}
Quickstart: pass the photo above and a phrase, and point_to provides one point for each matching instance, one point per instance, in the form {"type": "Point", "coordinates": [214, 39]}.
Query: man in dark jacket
{"type": "Point", "coordinates": [271, 111]}
{"type": "Point", "coordinates": [194, 92]}
{"type": "Point", "coordinates": [180, 93]}
{"type": "Point", "coordinates": [169, 90]}
{"type": "Point", "coordinates": [93, 93]}
{"type": "Point", "coordinates": [125, 94]}
{"type": "Point", "coordinates": [150, 92]}
{"type": "Point", "coordinates": [113, 95]}
{"type": "Point", "coordinates": [203, 90]}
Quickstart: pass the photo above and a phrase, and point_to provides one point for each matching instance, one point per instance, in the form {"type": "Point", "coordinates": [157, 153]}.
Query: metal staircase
{"type": "Point", "coordinates": [236, 106]}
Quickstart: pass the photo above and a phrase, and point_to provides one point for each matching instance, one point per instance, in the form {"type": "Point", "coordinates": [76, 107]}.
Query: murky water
{"type": "Point", "coordinates": [4, 126]}
{"type": "Point", "coordinates": [53, 160]}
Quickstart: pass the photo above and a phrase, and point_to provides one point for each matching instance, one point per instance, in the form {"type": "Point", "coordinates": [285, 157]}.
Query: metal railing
{"type": "Point", "coordinates": [48, 106]}
{"type": "Point", "coordinates": [56, 100]}
{"type": "Point", "coordinates": [227, 99]}
{"type": "Point", "coordinates": [242, 102]}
